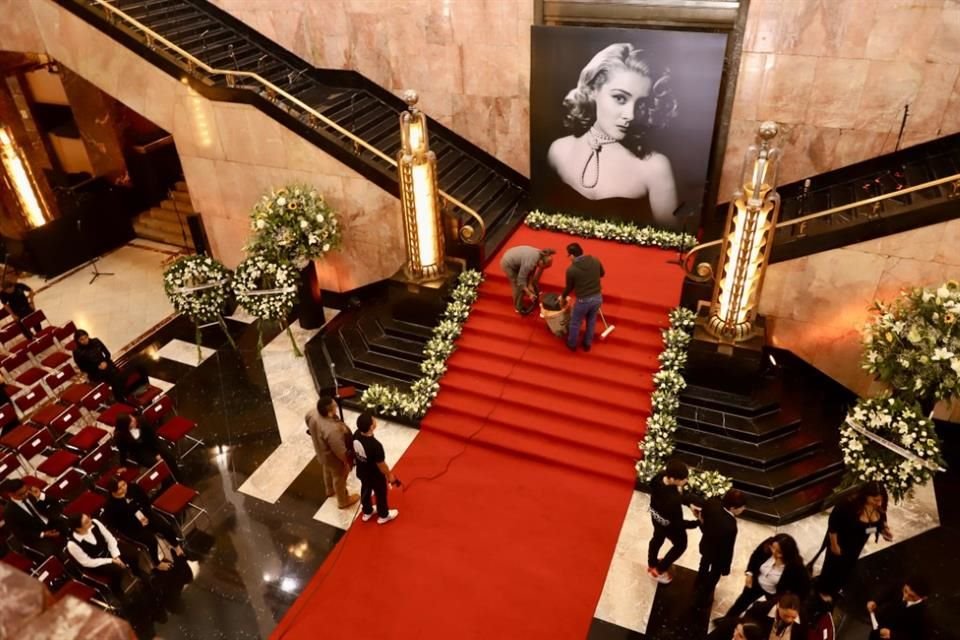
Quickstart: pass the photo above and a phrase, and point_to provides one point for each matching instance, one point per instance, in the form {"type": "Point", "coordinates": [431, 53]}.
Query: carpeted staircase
{"type": "Point", "coordinates": [515, 490]}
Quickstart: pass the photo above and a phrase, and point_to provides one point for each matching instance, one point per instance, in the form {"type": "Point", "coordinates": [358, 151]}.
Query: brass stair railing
{"type": "Point", "coordinates": [704, 271]}
{"type": "Point", "coordinates": [271, 91]}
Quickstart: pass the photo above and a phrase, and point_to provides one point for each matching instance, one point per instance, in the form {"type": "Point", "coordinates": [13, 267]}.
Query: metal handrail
{"type": "Point", "coordinates": [955, 179]}
{"type": "Point", "coordinates": [194, 61]}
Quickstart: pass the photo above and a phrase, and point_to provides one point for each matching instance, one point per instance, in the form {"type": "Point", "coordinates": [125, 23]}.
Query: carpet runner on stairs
{"type": "Point", "coordinates": [516, 487]}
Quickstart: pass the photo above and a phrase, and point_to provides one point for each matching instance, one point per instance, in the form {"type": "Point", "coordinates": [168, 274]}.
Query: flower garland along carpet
{"type": "Point", "coordinates": [516, 488]}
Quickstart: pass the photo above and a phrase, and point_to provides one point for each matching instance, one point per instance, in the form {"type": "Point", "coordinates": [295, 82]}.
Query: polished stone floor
{"type": "Point", "coordinates": [268, 527]}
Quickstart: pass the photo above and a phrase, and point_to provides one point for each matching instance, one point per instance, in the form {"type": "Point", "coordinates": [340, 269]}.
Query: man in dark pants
{"type": "Point", "coordinates": [666, 511]}
{"type": "Point", "coordinates": [718, 524]}
{"type": "Point", "coordinates": [904, 619]}
{"type": "Point", "coordinates": [583, 278]}
{"type": "Point", "coordinates": [93, 358]}
{"type": "Point", "coordinates": [372, 470]}
{"type": "Point", "coordinates": [523, 266]}
{"type": "Point", "coordinates": [17, 299]}
{"type": "Point", "coordinates": [34, 521]}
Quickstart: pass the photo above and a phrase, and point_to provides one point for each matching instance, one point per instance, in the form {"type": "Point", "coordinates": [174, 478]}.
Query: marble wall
{"type": "Point", "coordinates": [468, 59]}
{"type": "Point", "coordinates": [231, 153]}
{"type": "Point", "coordinates": [816, 305]}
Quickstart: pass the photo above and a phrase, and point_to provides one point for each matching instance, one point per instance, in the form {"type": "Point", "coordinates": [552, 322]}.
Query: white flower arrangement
{"type": "Point", "coordinates": [197, 286]}
{"type": "Point", "coordinates": [625, 232]}
{"type": "Point", "coordinates": [658, 445]}
{"type": "Point", "coordinates": [294, 224]}
{"type": "Point", "coordinates": [268, 291]}
{"type": "Point", "coordinates": [900, 423]}
{"type": "Point", "coordinates": [913, 344]}
{"type": "Point", "coordinates": [390, 401]}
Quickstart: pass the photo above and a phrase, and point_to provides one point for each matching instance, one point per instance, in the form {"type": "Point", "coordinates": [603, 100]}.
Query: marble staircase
{"type": "Point", "coordinates": [167, 222]}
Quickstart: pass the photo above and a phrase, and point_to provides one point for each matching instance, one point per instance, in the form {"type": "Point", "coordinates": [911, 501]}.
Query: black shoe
{"type": "Point", "coordinates": [586, 348]}
{"type": "Point", "coordinates": [572, 349]}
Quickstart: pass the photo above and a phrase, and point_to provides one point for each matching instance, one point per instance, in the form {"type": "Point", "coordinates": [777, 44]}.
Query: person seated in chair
{"type": "Point", "coordinates": [138, 442]}
{"type": "Point", "coordinates": [17, 299]}
{"type": "Point", "coordinates": [904, 618]}
{"type": "Point", "coordinates": [93, 358]}
{"type": "Point", "coordinates": [35, 521]}
{"type": "Point", "coordinates": [95, 549]}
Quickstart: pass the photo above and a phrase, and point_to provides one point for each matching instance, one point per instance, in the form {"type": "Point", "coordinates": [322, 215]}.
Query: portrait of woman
{"type": "Point", "coordinates": [617, 98]}
{"type": "Point", "coordinates": [622, 122]}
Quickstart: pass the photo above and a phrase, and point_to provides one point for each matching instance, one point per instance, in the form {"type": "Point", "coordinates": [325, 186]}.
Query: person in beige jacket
{"type": "Point", "coordinates": [329, 435]}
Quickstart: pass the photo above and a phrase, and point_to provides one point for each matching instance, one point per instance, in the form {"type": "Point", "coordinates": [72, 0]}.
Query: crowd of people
{"type": "Point", "coordinates": [780, 599]}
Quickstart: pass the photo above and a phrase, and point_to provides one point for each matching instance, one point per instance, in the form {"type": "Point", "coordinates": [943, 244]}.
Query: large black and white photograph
{"type": "Point", "coordinates": [622, 122]}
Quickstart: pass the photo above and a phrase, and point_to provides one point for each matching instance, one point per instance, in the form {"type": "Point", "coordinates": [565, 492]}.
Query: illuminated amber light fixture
{"type": "Point", "coordinates": [18, 174]}
{"type": "Point", "coordinates": [419, 196]}
{"type": "Point", "coordinates": [747, 239]}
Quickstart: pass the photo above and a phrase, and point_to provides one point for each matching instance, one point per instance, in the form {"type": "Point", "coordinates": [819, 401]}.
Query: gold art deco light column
{"type": "Point", "coordinates": [748, 237]}
{"type": "Point", "coordinates": [419, 196]}
{"type": "Point", "coordinates": [17, 174]}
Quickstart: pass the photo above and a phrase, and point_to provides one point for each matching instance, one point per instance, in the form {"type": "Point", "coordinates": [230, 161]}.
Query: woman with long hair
{"type": "Point", "coordinates": [617, 101]}
{"type": "Point", "coordinates": [851, 523]}
{"type": "Point", "coordinates": [775, 567]}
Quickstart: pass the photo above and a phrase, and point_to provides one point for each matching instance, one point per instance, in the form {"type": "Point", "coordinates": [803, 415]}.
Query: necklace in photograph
{"type": "Point", "coordinates": [596, 139]}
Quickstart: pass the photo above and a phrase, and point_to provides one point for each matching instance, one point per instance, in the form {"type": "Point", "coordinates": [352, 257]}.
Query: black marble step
{"type": "Point", "coordinates": [405, 330]}
{"type": "Point", "coordinates": [753, 429]}
{"type": "Point", "coordinates": [807, 469]}
{"type": "Point", "coordinates": [804, 501]}
{"type": "Point", "coordinates": [762, 398]}
{"type": "Point", "coordinates": [773, 453]}
{"type": "Point", "coordinates": [362, 358]}
{"type": "Point", "coordinates": [380, 342]}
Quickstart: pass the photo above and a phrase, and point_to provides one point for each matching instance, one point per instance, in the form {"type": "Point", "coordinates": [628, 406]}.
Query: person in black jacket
{"type": "Point", "coordinates": [17, 299]}
{"type": "Point", "coordinates": [93, 358]}
{"type": "Point", "coordinates": [774, 567]}
{"type": "Point", "coordinates": [34, 521]}
{"type": "Point", "coordinates": [666, 512]}
{"type": "Point", "coordinates": [904, 619]}
{"type": "Point", "coordinates": [583, 278]}
{"type": "Point", "coordinates": [780, 619]}
{"type": "Point", "coordinates": [138, 442]}
{"type": "Point", "coordinates": [718, 523]}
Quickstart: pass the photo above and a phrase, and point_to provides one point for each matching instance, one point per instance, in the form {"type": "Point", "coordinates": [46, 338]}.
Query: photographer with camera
{"type": "Point", "coordinates": [523, 267]}
{"type": "Point", "coordinates": [372, 470]}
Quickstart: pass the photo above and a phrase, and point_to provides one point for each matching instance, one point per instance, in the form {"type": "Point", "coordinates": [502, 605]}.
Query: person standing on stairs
{"type": "Point", "coordinates": [523, 266]}
{"type": "Point", "coordinates": [583, 279]}
{"type": "Point", "coordinates": [666, 512]}
{"type": "Point", "coordinates": [373, 471]}
{"type": "Point", "coordinates": [331, 442]}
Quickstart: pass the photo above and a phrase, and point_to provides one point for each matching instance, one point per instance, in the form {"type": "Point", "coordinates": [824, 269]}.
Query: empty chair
{"type": "Point", "coordinates": [29, 401]}
{"type": "Point", "coordinates": [8, 418]}
{"type": "Point", "coordinates": [87, 439]}
{"type": "Point", "coordinates": [88, 503]}
{"type": "Point", "coordinates": [53, 575]}
{"type": "Point", "coordinates": [66, 487]}
{"type": "Point", "coordinates": [170, 498]}
{"type": "Point", "coordinates": [111, 413]}
{"type": "Point", "coordinates": [69, 422]}
{"type": "Point", "coordinates": [35, 449]}
{"type": "Point", "coordinates": [58, 381]}
{"type": "Point", "coordinates": [46, 353]}
{"type": "Point", "coordinates": [64, 336]}
{"type": "Point", "coordinates": [20, 369]}
{"type": "Point", "coordinates": [57, 463]}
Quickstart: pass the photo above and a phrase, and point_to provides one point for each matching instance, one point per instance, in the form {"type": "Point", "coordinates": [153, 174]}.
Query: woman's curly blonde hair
{"type": "Point", "coordinates": [653, 112]}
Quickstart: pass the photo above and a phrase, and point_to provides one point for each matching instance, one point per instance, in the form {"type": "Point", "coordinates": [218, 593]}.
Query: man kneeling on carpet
{"type": "Point", "coordinates": [523, 267]}
{"type": "Point", "coordinates": [372, 470]}
{"type": "Point", "coordinates": [556, 314]}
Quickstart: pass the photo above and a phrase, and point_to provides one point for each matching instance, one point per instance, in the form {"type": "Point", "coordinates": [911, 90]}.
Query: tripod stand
{"type": "Point", "coordinates": [96, 272]}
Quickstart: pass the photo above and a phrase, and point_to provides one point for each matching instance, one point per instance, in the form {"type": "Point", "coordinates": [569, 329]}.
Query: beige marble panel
{"type": "Point", "coordinates": [891, 86]}
{"type": "Point", "coordinates": [808, 150]}
{"type": "Point", "coordinates": [762, 31]}
{"type": "Point", "coordinates": [19, 35]}
{"type": "Point", "coordinates": [247, 134]}
{"type": "Point", "coordinates": [928, 110]}
{"type": "Point", "coordinates": [902, 32]}
{"type": "Point", "coordinates": [787, 85]}
{"type": "Point", "coordinates": [946, 42]}
{"type": "Point", "coordinates": [836, 77]}
{"type": "Point", "coordinates": [855, 145]}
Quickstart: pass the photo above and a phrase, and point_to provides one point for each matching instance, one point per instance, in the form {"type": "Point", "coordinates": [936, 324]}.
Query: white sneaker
{"type": "Point", "coordinates": [391, 515]}
{"type": "Point", "coordinates": [366, 516]}
{"type": "Point", "coordinates": [664, 578]}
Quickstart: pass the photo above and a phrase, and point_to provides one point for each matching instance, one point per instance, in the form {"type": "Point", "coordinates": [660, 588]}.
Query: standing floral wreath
{"type": "Point", "coordinates": [892, 423]}
{"type": "Point", "coordinates": [913, 344]}
{"type": "Point", "coordinates": [268, 291]}
{"type": "Point", "coordinates": [197, 286]}
{"type": "Point", "coordinates": [294, 224]}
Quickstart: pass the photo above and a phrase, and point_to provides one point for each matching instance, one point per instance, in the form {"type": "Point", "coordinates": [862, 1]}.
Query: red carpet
{"type": "Point", "coordinates": [515, 538]}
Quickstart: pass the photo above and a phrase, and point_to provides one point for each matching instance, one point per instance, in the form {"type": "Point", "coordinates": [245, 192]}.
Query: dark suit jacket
{"type": "Point", "coordinates": [89, 357]}
{"type": "Point", "coordinates": [26, 527]}
{"type": "Point", "coordinates": [905, 623]}
{"type": "Point", "coordinates": [120, 515]}
{"type": "Point", "coordinates": [719, 535]}
{"type": "Point", "coordinates": [144, 450]}
{"type": "Point", "coordinates": [795, 579]}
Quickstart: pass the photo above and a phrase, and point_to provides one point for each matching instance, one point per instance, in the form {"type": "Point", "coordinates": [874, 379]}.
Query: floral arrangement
{"type": "Point", "coordinates": [913, 344]}
{"type": "Point", "coordinates": [901, 423]}
{"type": "Point", "coordinates": [293, 224]}
{"type": "Point", "coordinates": [390, 401]}
{"type": "Point", "coordinates": [197, 286]}
{"type": "Point", "coordinates": [657, 445]}
{"type": "Point", "coordinates": [268, 291]}
{"type": "Point", "coordinates": [625, 232]}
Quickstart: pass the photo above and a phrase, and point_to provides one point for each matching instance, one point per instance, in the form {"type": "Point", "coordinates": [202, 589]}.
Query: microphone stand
{"type": "Point", "coordinates": [93, 261]}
